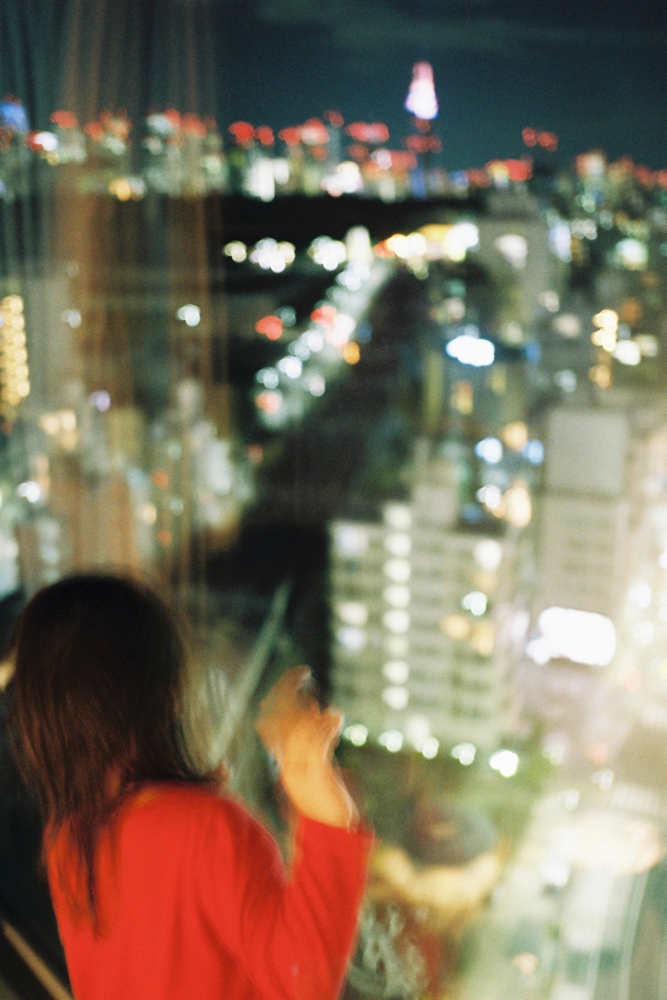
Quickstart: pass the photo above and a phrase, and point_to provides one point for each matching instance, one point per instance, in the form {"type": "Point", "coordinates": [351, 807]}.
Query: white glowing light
{"type": "Point", "coordinates": [470, 350]}
{"type": "Point", "coordinates": [47, 140]}
{"type": "Point", "coordinates": [396, 671]}
{"type": "Point", "coordinates": [489, 450]}
{"type": "Point", "coordinates": [581, 636]}
{"type": "Point", "coordinates": [329, 254]}
{"type": "Point", "coordinates": [395, 697]}
{"type": "Point", "coordinates": [539, 651]}
{"type": "Point", "coordinates": [644, 632]}
{"type": "Point", "coordinates": [396, 621]}
{"type": "Point", "coordinates": [30, 491]}
{"type": "Point", "coordinates": [458, 240]}
{"type": "Point", "coordinates": [147, 513]}
{"type": "Point", "coordinates": [353, 613]}
{"type": "Point", "coordinates": [628, 352]}
{"type": "Point", "coordinates": [632, 255]}
{"type": "Point", "coordinates": [430, 747]}
{"type": "Point", "coordinates": [505, 762]}
{"type": "Point", "coordinates": [299, 350]}
{"type": "Point", "coordinates": [490, 496]}
{"type": "Point", "coordinates": [72, 317]}
{"type": "Point", "coordinates": [514, 248]}
{"type": "Point", "coordinates": [464, 752]}
{"type": "Point", "coordinates": [352, 638]}
{"type": "Point", "coordinates": [397, 516]}
{"type": "Point", "coordinates": [268, 377]}
{"type": "Point", "coordinates": [101, 400]}
{"type": "Point", "coordinates": [313, 340]}
{"type": "Point", "coordinates": [475, 602]}
{"type": "Point", "coordinates": [316, 385]}
{"type": "Point", "coordinates": [398, 545]}
{"type": "Point", "coordinates": [398, 570]}
{"type": "Point", "coordinates": [488, 554]}
{"type": "Point", "coordinates": [641, 595]}
{"type": "Point", "coordinates": [237, 250]}
{"type": "Point", "coordinates": [356, 734]}
{"type": "Point", "coordinates": [397, 595]}
{"type": "Point", "coordinates": [534, 452]}
{"type": "Point", "coordinates": [392, 740]}
{"type": "Point", "coordinates": [421, 100]}
{"type": "Point", "coordinates": [189, 314]}
{"type": "Point", "coordinates": [351, 540]}
{"type": "Point", "coordinates": [290, 366]}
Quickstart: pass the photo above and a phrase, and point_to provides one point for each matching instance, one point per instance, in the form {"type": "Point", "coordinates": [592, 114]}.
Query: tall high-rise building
{"type": "Point", "coordinates": [428, 621]}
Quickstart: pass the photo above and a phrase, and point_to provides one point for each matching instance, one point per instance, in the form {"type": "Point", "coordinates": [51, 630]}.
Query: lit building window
{"type": "Point", "coordinates": [395, 697]}
{"type": "Point", "coordinates": [14, 375]}
{"type": "Point", "coordinates": [396, 621]}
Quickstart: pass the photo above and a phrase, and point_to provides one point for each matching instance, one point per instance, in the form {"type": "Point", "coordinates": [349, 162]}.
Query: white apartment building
{"type": "Point", "coordinates": [428, 621]}
{"type": "Point", "coordinates": [606, 471]}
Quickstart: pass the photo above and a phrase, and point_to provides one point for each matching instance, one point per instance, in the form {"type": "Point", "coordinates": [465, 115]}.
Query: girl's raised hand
{"type": "Point", "coordinates": [302, 737]}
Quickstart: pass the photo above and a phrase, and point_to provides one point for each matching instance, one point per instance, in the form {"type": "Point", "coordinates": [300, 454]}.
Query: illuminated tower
{"type": "Point", "coordinates": [421, 100]}
{"type": "Point", "coordinates": [422, 103]}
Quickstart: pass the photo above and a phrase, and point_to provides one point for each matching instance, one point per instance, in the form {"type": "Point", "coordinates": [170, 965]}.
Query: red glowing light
{"type": "Point", "coordinates": [95, 130]}
{"type": "Point", "coordinates": [270, 326]}
{"type": "Point", "coordinates": [243, 132]}
{"type": "Point", "coordinates": [547, 140]}
{"type": "Point", "coordinates": [265, 135]}
{"type": "Point", "coordinates": [374, 133]}
{"type": "Point", "coordinates": [519, 170]}
{"type": "Point", "coordinates": [478, 178]}
{"type": "Point", "coordinates": [334, 118]}
{"type": "Point", "coordinates": [291, 136]}
{"type": "Point", "coordinates": [357, 152]}
{"type": "Point", "coordinates": [194, 126]}
{"type": "Point", "coordinates": [64, 119]}
{"type": "Point", "coordinates": [314, 132]}
{"type": "Point", "coordinates": [324, 315]}
{"type": "Point", "coordinates": [423, 144]}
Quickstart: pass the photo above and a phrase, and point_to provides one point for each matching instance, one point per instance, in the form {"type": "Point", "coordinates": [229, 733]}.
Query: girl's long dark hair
{"type": "Point", "coordinates": [101, 671]}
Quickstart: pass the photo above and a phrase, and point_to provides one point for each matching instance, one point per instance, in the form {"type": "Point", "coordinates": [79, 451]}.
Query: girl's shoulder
{"type": "Point", "coordinates": [182, 803]}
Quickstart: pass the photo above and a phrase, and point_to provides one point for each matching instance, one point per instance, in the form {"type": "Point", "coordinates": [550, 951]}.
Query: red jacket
{"type": "Point", "coordinates": [194, 904]}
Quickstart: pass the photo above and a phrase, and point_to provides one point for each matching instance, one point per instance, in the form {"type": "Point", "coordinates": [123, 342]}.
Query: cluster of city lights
{"type": "Point", "coordinates": [14, 377]}
{"type": "Point", "coordinates": [505, 762]}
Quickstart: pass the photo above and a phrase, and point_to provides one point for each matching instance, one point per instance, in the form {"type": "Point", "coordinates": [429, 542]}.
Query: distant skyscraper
{"type": "Point", "coordinates": [421, 100]}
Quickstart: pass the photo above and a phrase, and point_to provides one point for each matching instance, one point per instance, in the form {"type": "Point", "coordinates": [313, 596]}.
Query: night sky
{"type": "Point", "coordinates": [595, 72]}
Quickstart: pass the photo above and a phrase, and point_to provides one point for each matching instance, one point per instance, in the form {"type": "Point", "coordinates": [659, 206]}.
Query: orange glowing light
{"type": "Point", "coordinates": [351, 353]}
{"type": "Point", "coordinates": [334, 118]}
{"type": "Point", "coordinates": [161, 479]}
{"type": "Point", "coordinates": [194, 126]}
{"type": "Point", "coordinates": [95, 130]}
{"type": "Point", "coordinates": [269, 401]}
{"type": "Point", "coordinates": [165, 538]}
{"type": "Point", "coordinates": [270, 326]}
{"type": "Point", "coordinates": [64, 119]}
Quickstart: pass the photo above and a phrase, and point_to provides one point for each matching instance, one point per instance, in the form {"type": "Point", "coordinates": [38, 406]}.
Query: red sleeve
{"type": "Point", "coordinates": [292, 936]}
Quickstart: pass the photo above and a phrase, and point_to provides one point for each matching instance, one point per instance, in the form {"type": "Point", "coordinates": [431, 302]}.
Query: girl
{"type": "Point", "coordinates": [164, 888]}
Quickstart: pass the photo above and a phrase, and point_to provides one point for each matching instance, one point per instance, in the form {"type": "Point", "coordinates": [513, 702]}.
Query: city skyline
{"type": "Point", "coordinates": [591, 73]}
